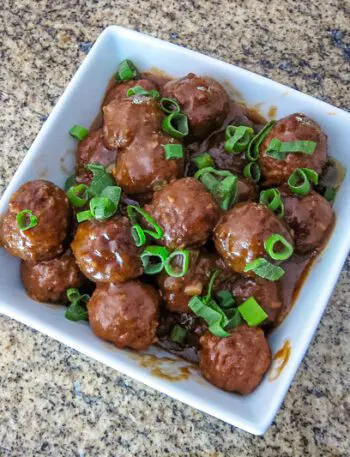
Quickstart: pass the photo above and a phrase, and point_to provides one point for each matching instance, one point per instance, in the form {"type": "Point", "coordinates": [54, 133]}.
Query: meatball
{"type": "Point", "coordinates": [240, 235]}
{"type": "Point", "coordinates": [92, 150]}
{"type": "Point", "coordinates": [48, 281]}
{"type": "Point", "coordinates": [247, 190]}
{"type": "Point", "coordinates": [202, 99]}
{"type": "Point", "coordinates": [119, 90]}
{"type": "Point", "coordinates": [125, 314]}
{"type": "Point", "coordinates": [142, 167]}
{"type": "Point", "coordinates": [292, 128]}
{"type": "Point", "coordinates": [105, 251]}
{"type": "Point", "coordinates": [266, 293]}
{"type": "Point", "coordinates": [127, 118]}
{"type": "Point", "coordinates": [310, 216]}
{"type": "Point", "coordinates": [236, 363]}
{"type": "Point", "coordinates": [177, 292]}
{"type": "Point", "coordinates": [51, 207]}
{"type": "Point", "coordinates": [186, 212]}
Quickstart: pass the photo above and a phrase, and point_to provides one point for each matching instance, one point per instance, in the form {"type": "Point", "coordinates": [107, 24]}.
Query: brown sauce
{"type": "Point", "coordinates": [280, 360]}
{"type": "Point", "coordinates": [157, 76]}
{"type": "Point", "coordinates": [272, 112]}
{"type": "Point", "coordinates": [164, 367]}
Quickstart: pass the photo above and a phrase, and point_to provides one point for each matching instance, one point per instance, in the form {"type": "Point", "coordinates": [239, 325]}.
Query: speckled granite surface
{"type": "Point", "coordinates": [55, 402]}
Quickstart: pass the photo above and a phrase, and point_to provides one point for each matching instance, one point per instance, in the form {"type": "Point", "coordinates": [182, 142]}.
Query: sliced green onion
{"type": "Point", "coordinates": [235, 318]}
{"type": "Point", "coordinates": [178, 334]}
{"type": "Point", "coordinates": [79, 132]}
{"type": "Point", "coordinates": [174, 272]}
{"type": "Point", "coordinates": [169, 105]}
{"type": "Point", "coordinates": [279, 149]}
{"type": "Point", "coordinates": [26, 220]}
{"type": "Point", "coordinates": [252, 171]}
{"type": "Point", "coordinates": [70, 182]}
{"type": "Point", "coordinates": [270, 243]}
{"type": "Point", "coordinates": [226, 299]}
{"type": "Point", "coordinates": [265, 269]}
{"type": "Point", "coordinates": [76, 312]}
{"type": "Point", "coordinates": [299, 180]}
{"type": "Point", "coordinates": [134, 212]}
{"type": "Point", "coordinates": [149, 255]}
{"type": "Point", "coordinates": [84, 216]}
{"type": "Point", "coordinates": [176, 125]}
{"type": "Point", "coordinates": [253, 149]}
{"type": "Point", "coordinates": [138, 235]}
{"type": "Point", "coordinates": [204, 160]}
{"type": "Point", "coordinates": [213, 277]}
{"type": "Point", "coordinates": [217, 329]}
{"type": "Point", "coordinates": [96, 169]}
{"type": "Point", "coordinates": [101, 179]}
{"type": "Point", "coordinates": [102, 208]}
{"type": "Point", "coordinates": [252, 312]}
{"type": "Point", "coordinates": [78, 195]}
{"type": "Point", "coordinates": [173, 151]}
{"type": "Point", "coordinates": [211, 313]}
{"type": "Point", "coordinates": [126, 71]}
{"type": "Point", "coordinates": [224, 190]}
{"type": "Point", "coordinates": [273, 200]}
{"type": "Point", "coordinates": [138, 90]}
{"type": "Point", "coordinates": [330, 193]}
{"type": "Point", "coordinates": [73, 294]}
{"type": "Point", "coordinates": [113, 193]}
{"type": "Point", "coordinates": [237, 138]}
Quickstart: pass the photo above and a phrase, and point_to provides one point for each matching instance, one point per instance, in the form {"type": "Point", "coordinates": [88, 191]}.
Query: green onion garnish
{"type": "Point", "coordinates": [234, 318]}
{"type": "Point", "coordinates": [252, 312]}
{"type": "Point", "coordinates": [70, 182]}
{"type": "Point", "coordinates": [253, 150]}
{"type": "Point", "coordinates": [178, 334]}
{"type": "Point", "coordinates": [26, 220]}
{"type": "Point", "coordinates": [203, 160]}
{"type": "Point", "coordinates": [213, 277]}
{"type": "Point", "coordinates": [78, 195]}
{"type": "Point", "coordinates": [126, 71]}
{"type": "Point", "coordinates": [299, 180]}
{"type": "Point", "coordinates": [176, 125]}
{"type": "Point", "coordinates": [330, 193]}
{"type": "Point", "coordinates": [270, 243]}
{"type": "Point", "coordinates": [237, 138]}
{"type": "Point", "coordinates": [273, 200]}
{"type": "Point", "coordinates": [79, 132]}
{"type": "Point", "coordinates": [138, 90]}
{"type": "Point", "coordinates": [138, 235]}
{"type": "Point", "coordinates": [134, 212]}
{"type": "Point", "coordinates": [169, 105]}
{"type": "Point", "coordinates": [265, 269]}
{"type": "Point", "coordinates": [84, 216]}
{"type": "Point", "coordinates": [148, 257]}
{"type": "Point", "coordinates": [113, 193]}
{"type": "Point", "coordinates": [279, 149]}
{"type": "Point", "coordinates": [77, 311]}
{"type": "Point", "coordinates": [102, 208]}
{"type": "Point", "coordinates": [173, 151]}
{"type": "Point", "coordinates": [226, 299]}
{"type": "Point", "coordinates": [175, 272]}
{"type": "Point", "coordinates": [101, 179]}
{"type": "Point", "coordinates": [222, 189]}
{"type": "Point", "coordinates": [212, 314]}
{"type": "Point", "coordinates": [252, 171]}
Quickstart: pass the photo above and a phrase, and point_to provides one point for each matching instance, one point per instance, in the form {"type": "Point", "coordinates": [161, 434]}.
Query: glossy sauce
{"type": "Point", "coordinates": [280, 360]}
{"type": "Point", "coordinates": [164, 367]}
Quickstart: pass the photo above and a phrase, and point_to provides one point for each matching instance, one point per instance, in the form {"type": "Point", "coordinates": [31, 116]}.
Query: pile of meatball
{"type": "Point", "coordinates": [131, 309]}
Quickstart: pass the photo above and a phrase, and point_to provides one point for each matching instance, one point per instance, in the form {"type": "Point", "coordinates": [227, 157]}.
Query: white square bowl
{"type": "Point", "coordinates": [51, 152]}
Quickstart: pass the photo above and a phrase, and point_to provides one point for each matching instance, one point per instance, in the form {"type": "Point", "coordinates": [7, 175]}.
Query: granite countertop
{"type": "Point", "coordinates": [54, 401]}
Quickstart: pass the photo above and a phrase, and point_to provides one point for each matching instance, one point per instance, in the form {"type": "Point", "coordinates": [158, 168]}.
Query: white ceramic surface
{"type": "Point", "coordinates": [52, 153]}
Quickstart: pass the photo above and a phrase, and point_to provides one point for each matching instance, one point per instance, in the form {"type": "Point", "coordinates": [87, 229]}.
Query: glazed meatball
{"type": "Point", "coordinates": [292, 128]}
{"type": "Point", "coordinates": [125, 314]}
{"type": "Point", "coordinates": [177, 292]}
{"type": "Point", "coordinates": [240, 235]}
{"type": "Point", "coordinates": [266, 293]}
{"type": "Point", "coordinates": [48, 281]}
{"type": "Point", "coordinates": [92, 150]}
{"type": "Point", "coordinates": [202, 99]}
{"type": "Point", "coordinates": [142, 167]}
{"type": "Point", "coordinates": [310, 216]}
{"type": "Point", "coordinates": [119, 90]}
{"type": "Point", "coordinates": [51, 207]}
{"type": "Point", "coordinates": [186, 212]}
{"type": "Point", "coordinates": [247, 190]}
{"type": "Point", "coordinates": [127, 118]}
{"type": "Point", "coordinates": [105, 251]}
{"type": "Point", "coordinates": [236, 363]}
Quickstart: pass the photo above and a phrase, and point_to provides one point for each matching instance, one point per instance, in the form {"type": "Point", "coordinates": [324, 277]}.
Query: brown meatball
{"type": "Point", "coordinates": [142, 167]}
{"type": "Point", "coordinates": [291, 128]}
{"type": "Point", "coordinates": [46, 240]}
{"type": "Point", "coordinates": [48, 281]}
{"type": "Point", "coordinates": [105, 251]}
{"type": "Point", "coordinates": [92, 150]}
{"type": "Point", "coordinates": [310, 216]}
{"type": "Point", "coordinates": [239, 236]}
{"type": "Point", "coordinates": [125, 314]}
{"type": "Point", "coordinates": [127, 118]}
{"type": "Point", "coordinates": [202, 99]}
{"type": "Point", "coordinates": [177, 292]}
{"type": "Point", "coordinates": [186, 212]}
{"type": "Point", "coordinates": [266, 293]}
{"type": "Point", "coordinates": [247, 190]}
{"type": "Point", "coordinates": [236, 363]}
{"type": "Point", "coordinates": [119, 90]}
